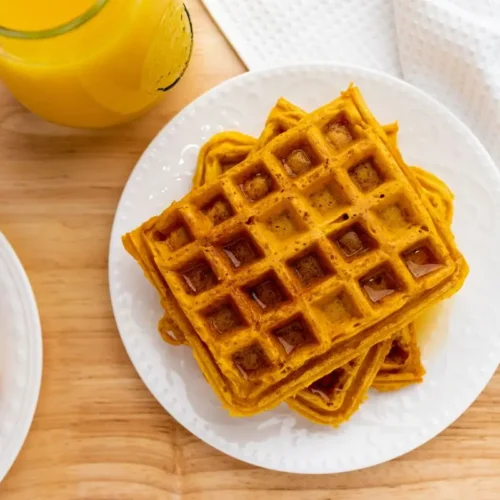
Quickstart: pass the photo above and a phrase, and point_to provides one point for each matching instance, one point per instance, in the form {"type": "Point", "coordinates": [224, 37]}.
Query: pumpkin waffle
{"type": "Point", "coordinates": [254, 352]}
{"type": "Point", "coordinates": [338, 407]}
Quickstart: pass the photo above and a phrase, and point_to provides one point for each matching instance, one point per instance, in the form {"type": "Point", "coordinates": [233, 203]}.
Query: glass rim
{"type": "Point", "coordinates": [57, 30]}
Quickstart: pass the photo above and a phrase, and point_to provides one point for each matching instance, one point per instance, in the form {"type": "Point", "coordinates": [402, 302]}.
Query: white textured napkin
{"type": "Point", "coordinates": [450, 48]}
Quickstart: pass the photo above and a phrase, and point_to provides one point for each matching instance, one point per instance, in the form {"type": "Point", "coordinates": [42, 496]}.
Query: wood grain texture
{"type": "Point", "coordinates": [98, 433]}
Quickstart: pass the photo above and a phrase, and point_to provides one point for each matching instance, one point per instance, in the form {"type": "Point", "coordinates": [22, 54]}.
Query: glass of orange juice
{"type": "Point", "coordinates": [93, 63]}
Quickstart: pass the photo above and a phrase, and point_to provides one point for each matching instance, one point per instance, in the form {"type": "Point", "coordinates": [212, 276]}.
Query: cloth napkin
{"type": "Point", "coordinates": [449, 48]}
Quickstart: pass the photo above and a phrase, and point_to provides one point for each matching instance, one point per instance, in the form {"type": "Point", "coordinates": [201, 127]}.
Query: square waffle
{"type": "Point", "coordinates": [218, 273]}
{"type": "Point", "coordinates": [403, 366]}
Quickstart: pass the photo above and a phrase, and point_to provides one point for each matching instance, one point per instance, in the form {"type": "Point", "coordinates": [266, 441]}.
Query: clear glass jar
{"type": "Point", "coordinates": [111, 63]}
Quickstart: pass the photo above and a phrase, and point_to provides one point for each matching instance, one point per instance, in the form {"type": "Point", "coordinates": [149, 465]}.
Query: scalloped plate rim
{"type": "Point", "coordinates": [32, 393]}
{"type": "Point", "coordinates": [191, 426]}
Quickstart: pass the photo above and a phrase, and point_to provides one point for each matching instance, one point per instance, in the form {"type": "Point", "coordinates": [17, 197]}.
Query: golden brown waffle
{"type": "Point", "coordinates": [213, 159]}
{"type": "Point", "coordinates": [254, 359]}
{"type": "Point", "coordinates": [334, 398]}
{"type": "Point", "coordinates": [334, 385]}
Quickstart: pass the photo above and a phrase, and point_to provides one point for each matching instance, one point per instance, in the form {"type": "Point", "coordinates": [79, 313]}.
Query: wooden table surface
{"type": "Point", "coordinates": [98, 433]}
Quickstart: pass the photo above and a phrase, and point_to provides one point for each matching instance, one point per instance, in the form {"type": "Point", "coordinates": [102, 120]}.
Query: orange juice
{"type": "Point", "coordinates": [92, 63]}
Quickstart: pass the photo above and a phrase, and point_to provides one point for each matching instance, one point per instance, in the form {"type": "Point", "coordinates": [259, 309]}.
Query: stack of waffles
{"type": "Point", "coordinates": [295, 267]}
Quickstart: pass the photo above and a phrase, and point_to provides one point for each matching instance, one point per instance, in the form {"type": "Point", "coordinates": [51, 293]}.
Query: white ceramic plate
{"type": "Point", "coordinates": [460, 356]}
{"type": "Point", "coordinates": [20, 356]}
